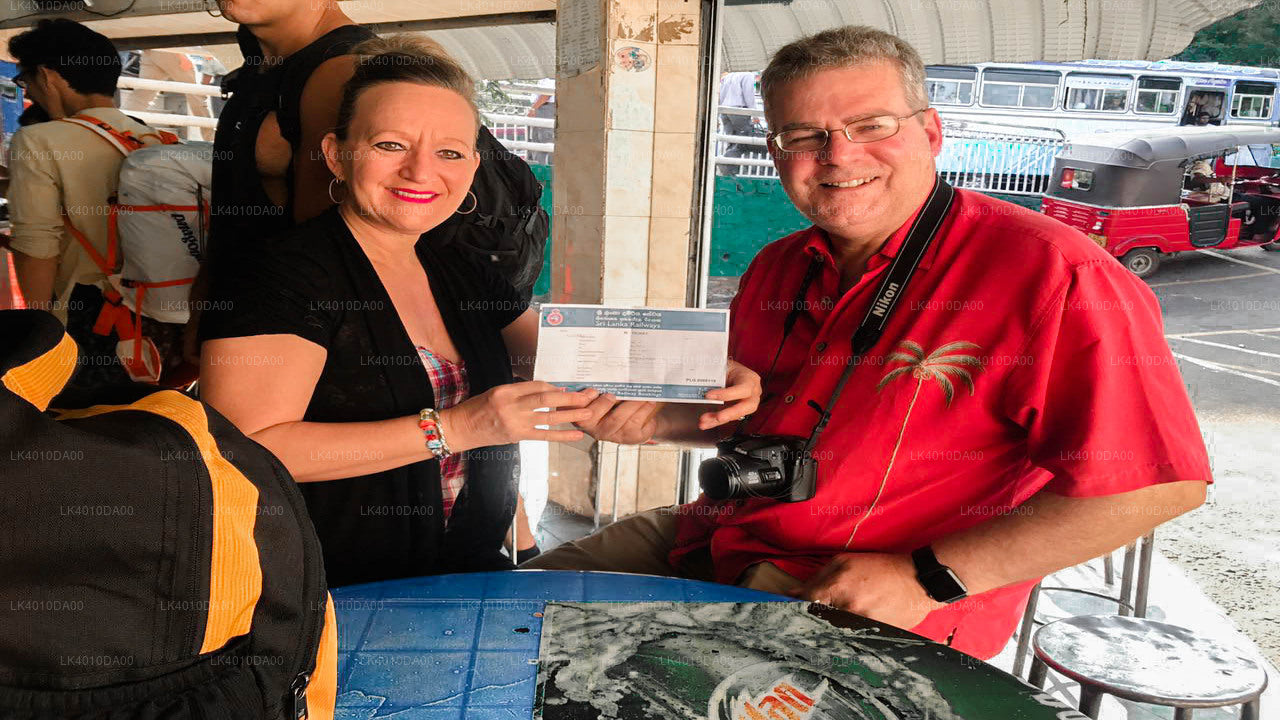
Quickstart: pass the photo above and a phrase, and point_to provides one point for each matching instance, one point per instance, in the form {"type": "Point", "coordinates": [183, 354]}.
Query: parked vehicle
{"type": "Point", "coordinates": [1105, 95]}
{"type": "Point", "coordinates": [1144, 195]}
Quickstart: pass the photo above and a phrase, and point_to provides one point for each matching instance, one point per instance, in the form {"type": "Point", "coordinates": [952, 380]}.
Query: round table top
{"type": "Point", "coordinates": [1147, 661]}
{"type": "Point", "coordinates": [472, 646]}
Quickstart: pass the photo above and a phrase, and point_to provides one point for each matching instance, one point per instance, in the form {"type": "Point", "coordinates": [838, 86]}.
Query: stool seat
{"type": "Point", "coordinates": [1149, 662]}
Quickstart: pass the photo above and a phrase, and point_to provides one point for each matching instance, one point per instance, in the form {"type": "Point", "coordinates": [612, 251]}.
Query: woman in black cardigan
{"type": "Point", "coordinates": [313, 350]}
{"type": "Point", "coordinates": [378, 366]}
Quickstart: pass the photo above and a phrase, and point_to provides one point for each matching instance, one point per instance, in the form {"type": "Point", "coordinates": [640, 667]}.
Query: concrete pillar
{"type": "Point", "coordinates": [627, 100]}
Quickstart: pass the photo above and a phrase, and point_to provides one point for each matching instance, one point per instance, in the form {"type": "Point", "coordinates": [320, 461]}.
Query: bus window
{"type": "Point", "coordinates": [949, 85]}
{"type": "Point", "coordinates": [1019, 88]}
{"type": "Point", "coordinates": [1157, 95]}
{"type": "Point", "coordinates": [1097, 93]}
{"type": "Point", "coordinates": [1252, 100]}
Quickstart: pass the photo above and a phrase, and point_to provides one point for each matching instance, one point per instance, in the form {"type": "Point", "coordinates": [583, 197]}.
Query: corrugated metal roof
{"type": "Point", "coordinates": [967, 31]}
{"type": "Point", "coordinates": [944, 31]}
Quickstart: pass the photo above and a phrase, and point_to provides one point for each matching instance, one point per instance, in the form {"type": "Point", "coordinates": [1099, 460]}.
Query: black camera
{"type": "Point", "coordinates": [763, 466]}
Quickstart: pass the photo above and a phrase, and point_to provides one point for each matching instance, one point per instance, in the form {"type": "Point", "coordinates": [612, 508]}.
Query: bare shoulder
{"type": "Point", "coordinates": [324, 87]}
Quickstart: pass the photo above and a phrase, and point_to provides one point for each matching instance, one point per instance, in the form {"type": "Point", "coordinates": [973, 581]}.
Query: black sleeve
{"type": "Point", "coordinates": [283, 290]}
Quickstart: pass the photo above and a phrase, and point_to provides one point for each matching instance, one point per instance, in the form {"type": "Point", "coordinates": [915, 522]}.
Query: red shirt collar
{"type": "Point", "coordinates": [818, 243]}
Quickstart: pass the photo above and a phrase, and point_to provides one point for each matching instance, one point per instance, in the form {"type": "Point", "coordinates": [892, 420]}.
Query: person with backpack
{"type": "Point", "coordinates": [63, 175]}
{"type": "Point", "coordinates": [376, 362]}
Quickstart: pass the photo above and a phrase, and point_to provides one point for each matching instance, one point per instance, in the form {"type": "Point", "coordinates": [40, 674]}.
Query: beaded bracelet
{"type": "Point", "coordinates": [429, 422]}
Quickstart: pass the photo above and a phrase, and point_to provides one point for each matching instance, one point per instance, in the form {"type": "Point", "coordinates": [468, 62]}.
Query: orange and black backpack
{"type": "Point", "coordinates": [155, 563]}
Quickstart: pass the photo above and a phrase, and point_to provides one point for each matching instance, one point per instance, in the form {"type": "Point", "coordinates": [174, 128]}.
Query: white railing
{"type": "Point", "coordinates": [137, 83]}
{"type": "Point", "coordinates": [999, 158]}
{"type": "Point", "coordinates": [172, 120]}
{"type": "Point", "coordinates": [514, 132]}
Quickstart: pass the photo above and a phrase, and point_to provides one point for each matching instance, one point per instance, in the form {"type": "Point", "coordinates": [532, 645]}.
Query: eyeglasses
{"type": "Point", "coordinates": [866, 130]}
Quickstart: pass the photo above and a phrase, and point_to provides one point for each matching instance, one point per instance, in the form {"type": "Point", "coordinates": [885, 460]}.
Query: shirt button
{"type": "Point", "coordinates": [789, 398]}
{"type": "Point", "coordinates": [822, 346]}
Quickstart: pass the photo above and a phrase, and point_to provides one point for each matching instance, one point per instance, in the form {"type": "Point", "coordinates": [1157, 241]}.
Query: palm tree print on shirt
{"type": "Point", "coordinates": [941, 365]}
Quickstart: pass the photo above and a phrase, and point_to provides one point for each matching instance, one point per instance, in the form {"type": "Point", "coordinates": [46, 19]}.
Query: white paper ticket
{"type": "Point", "coordinates": [634, 353]}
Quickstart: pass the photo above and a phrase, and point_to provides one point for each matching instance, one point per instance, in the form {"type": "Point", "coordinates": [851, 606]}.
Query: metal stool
{"type": "Point", "coordinates": [1132, 599]}
{"type": "Point", "coordinates": [1147, 662]}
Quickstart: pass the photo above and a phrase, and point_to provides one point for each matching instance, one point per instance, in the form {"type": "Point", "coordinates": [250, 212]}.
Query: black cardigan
{"type": "Point", "coordinates": [315, 282]}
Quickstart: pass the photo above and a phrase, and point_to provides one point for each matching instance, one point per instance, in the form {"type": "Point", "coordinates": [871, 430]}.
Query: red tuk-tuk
{"type": "Point", "coordinates": [1134, 193]}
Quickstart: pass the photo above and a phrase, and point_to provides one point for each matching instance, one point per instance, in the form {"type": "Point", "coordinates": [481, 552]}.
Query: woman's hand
{"type": "Point", "coordinates": [509, 413]}
{"type": "Point", "coordinates": [743, 386]}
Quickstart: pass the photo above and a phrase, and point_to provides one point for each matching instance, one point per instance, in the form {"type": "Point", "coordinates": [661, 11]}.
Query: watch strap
{"type": "Point", "coordinates": [938, 580]}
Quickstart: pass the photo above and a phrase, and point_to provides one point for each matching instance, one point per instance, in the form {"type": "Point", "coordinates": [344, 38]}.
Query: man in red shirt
{"type": "Point", "coordinates": [1021, 412]}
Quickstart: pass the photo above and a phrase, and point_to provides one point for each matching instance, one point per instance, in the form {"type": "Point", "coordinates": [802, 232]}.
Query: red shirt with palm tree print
{"type": "Point", "coordinates": [1022, 357]}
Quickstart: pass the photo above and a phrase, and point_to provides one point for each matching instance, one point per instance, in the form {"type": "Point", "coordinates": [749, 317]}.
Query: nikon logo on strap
{"type": "Point", "coordinates": [882, 303]}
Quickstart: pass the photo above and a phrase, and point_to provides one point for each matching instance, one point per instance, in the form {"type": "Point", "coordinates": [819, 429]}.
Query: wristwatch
{"type": "Point", "coordinates": [939, 581]}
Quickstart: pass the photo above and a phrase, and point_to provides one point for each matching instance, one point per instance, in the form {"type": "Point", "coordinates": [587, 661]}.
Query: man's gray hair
{"type": "Point", "coordinates": [842, 47]}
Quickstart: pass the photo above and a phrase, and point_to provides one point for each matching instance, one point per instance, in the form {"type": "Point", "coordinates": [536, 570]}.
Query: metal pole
{"type": "Point", "coordinates": [1126, 579]}
{"type": "Point", "coordinates": [1144, 575]}
{"type": "Point", "coordinates": [617, 460]}
{"type": "Point", "coordinates": [595, 515]}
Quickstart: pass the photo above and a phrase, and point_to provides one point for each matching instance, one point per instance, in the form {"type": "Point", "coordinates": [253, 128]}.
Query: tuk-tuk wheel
{"type": "Point", "coordinates": [1272, 246]}
{"type": "Point", "coordinates": [1142, 262]}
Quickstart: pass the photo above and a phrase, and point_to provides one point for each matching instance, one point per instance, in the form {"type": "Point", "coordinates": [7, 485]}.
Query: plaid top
{"type": "Point", "coordinates": [449, 383]}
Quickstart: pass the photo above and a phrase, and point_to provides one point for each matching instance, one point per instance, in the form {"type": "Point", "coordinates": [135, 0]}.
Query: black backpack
{"type": "Point", "coordinates": [155, 563]}
{"type": "Point", "coordinates": [508, 227]}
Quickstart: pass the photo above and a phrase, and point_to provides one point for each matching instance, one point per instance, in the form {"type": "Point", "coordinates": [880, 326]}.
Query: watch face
{"type": "Point", "coordinates": [943, 586]}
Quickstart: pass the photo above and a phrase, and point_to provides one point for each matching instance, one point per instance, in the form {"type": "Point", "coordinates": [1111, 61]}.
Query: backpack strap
{"type": "Point", "coordinates": [298, 67]}
{"type": "Point", "coordinates": [126, 142]}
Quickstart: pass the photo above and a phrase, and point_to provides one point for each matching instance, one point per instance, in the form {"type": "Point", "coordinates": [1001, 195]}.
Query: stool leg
{"type": "Point", "coordinates": [1144, 575]}
{"type": "Point", "coordinates": [1251, 710]}
{"type": "Point", "coordinates": [1182, 714]}
{"type": "Point", "coordinates": [1038, 672]}
{"type": "Point", "coordinates": [1126, 579]}
{"type": "Point", "coordinates": [1109, 569]}
{"type": "Point", "coordinates": [1024, 633]}
{"type": "Point", "coordinates": [1090, 700]}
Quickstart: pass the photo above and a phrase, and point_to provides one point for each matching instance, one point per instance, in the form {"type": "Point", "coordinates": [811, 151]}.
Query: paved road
{"type": "Point", "coordinates": [1222, 316]}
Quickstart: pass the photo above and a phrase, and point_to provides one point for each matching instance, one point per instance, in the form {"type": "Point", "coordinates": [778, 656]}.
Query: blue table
{"type": "Point", "coordinates": [467, 646]}
{"type": "Point", "coordinates": [453, 646]}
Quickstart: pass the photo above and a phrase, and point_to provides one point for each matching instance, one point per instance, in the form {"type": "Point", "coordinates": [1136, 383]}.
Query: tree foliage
{"type": "Point", "coordinates": [1250, 37]}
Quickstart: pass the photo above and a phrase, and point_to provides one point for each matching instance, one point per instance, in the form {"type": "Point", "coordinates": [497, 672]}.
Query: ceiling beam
{"type": "Point", "coordinates": [148, 42]}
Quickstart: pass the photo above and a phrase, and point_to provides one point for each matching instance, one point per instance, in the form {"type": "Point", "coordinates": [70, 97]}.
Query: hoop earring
{"type": "Point", "coordinates": [475, 203]}
{"type": "Point", "coordinates": [339, 182]}
{"type": "Point", "coordinates": [214, 3]}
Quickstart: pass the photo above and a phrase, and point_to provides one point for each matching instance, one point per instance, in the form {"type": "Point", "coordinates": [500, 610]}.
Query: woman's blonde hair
{"type": "Point", "coordinates": [843, 47]}
{"type": "Point", "coordinates": [402, 58]}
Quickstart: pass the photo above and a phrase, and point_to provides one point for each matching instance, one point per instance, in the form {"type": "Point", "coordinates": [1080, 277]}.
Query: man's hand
{"type": "Point", "coordinates": [634, 422]}
{"type": "Point", "coordinates": [880, 586]}
{"type": "Point", "coordinates": [630, 422]}
{"type": "Point", "coordinates": [742, 384]}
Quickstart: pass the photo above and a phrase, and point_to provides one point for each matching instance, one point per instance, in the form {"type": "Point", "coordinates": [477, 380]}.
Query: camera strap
{"type": "Point", "coordinates": [891, 290]}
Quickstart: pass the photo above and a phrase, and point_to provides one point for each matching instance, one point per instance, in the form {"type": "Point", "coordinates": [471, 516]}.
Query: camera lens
{"type": "Point", "coordinates": [718, 477]}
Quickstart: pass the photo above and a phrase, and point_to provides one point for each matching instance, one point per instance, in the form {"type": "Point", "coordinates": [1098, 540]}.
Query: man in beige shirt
{"type": "Point", "coordinates": [61, 169]}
